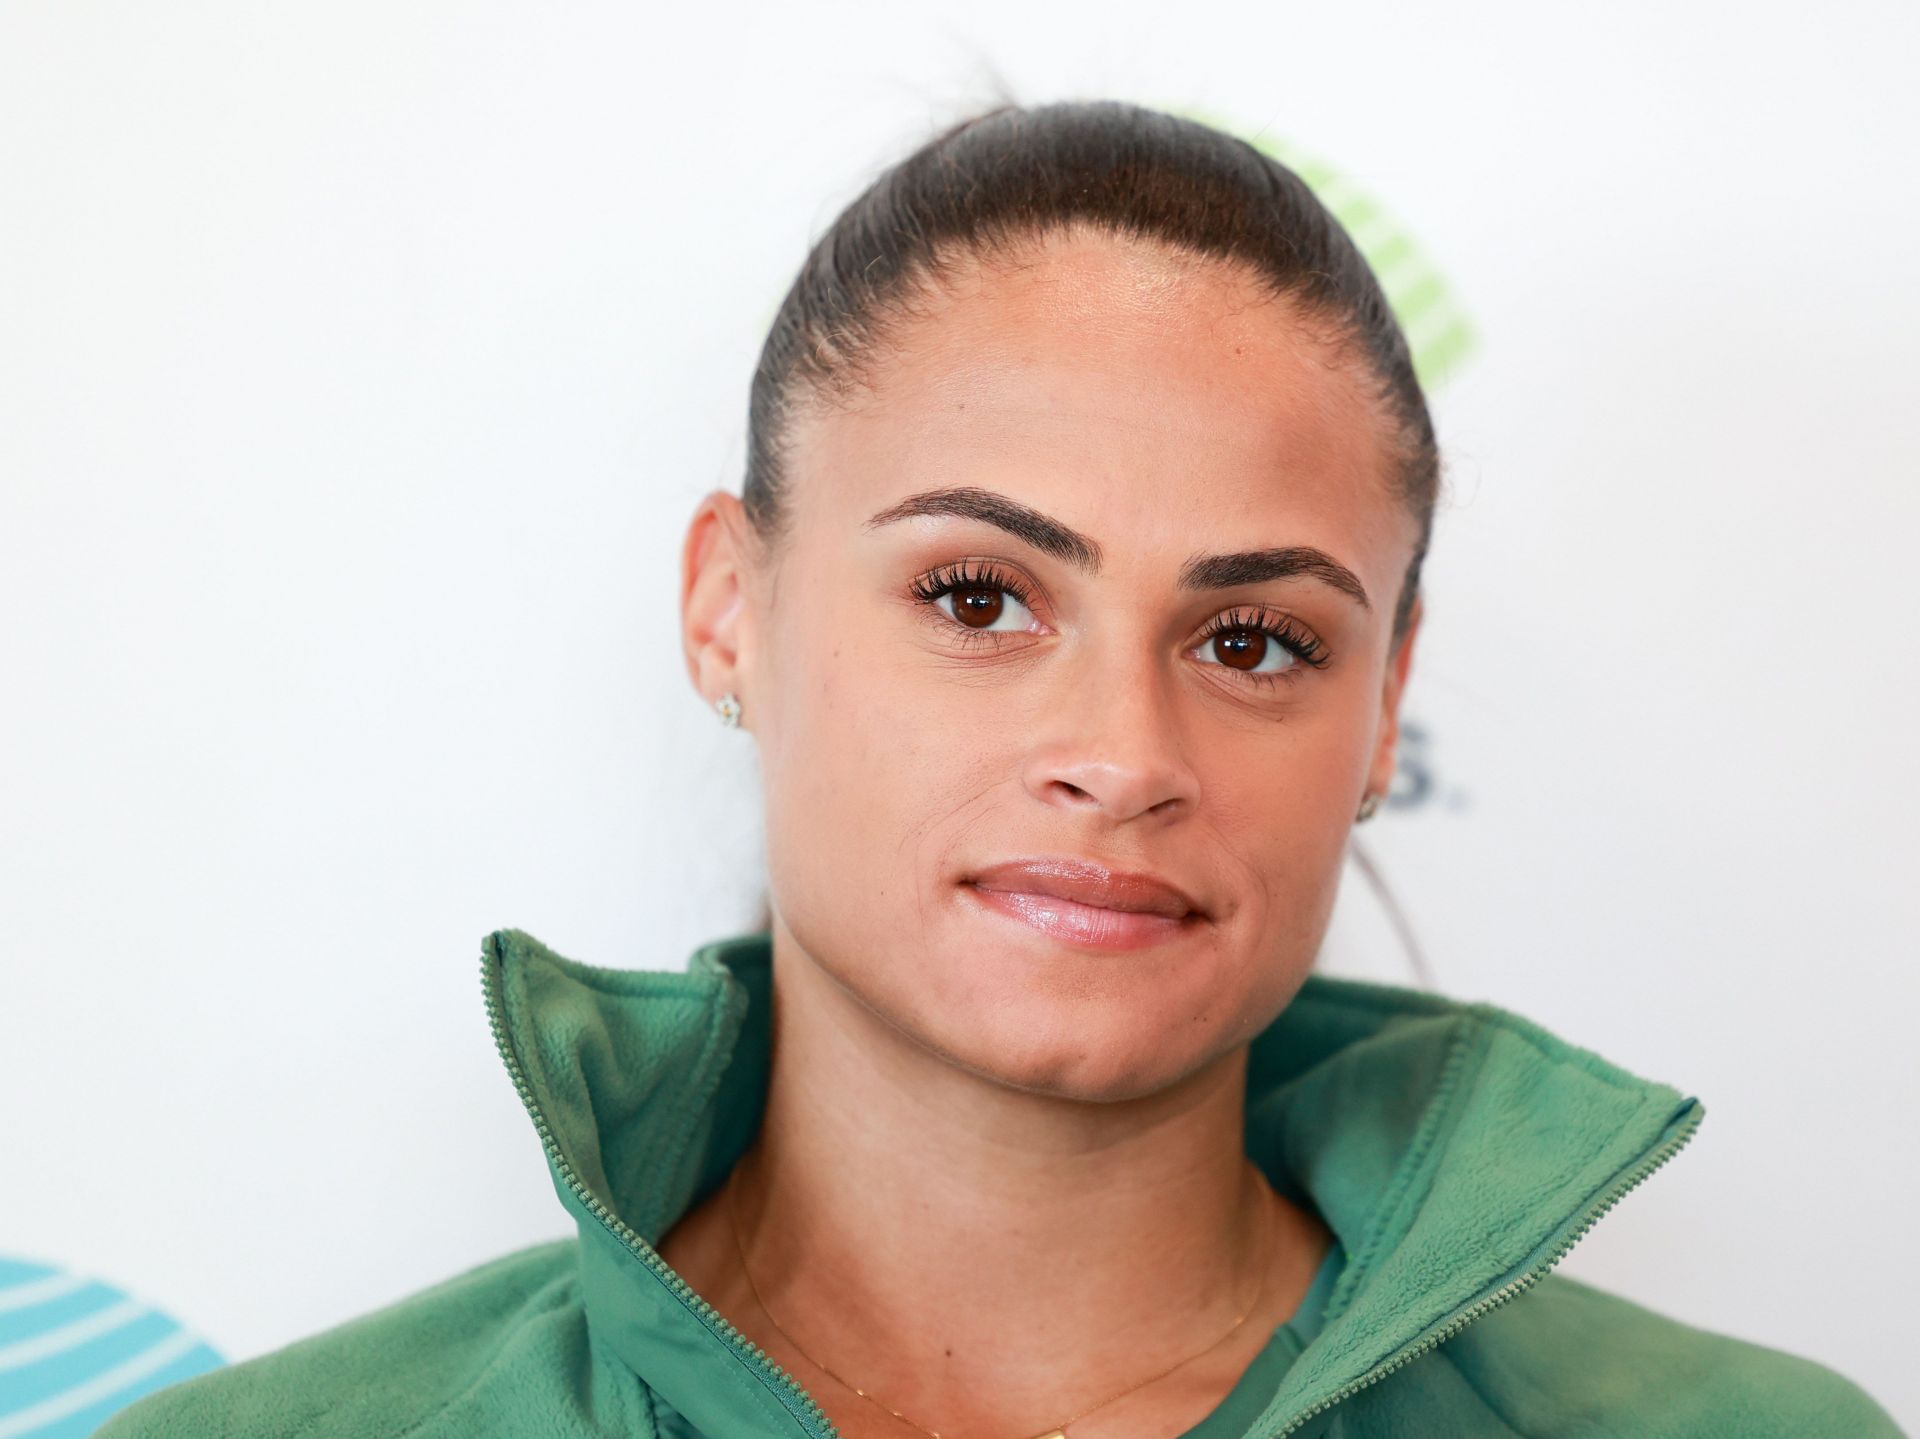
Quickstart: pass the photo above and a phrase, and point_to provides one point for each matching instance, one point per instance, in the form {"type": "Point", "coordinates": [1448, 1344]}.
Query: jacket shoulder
{"type": "Point", "coordinates": [379, 1373]}
{"type": "Point", "coordinates": [1567, 1357]}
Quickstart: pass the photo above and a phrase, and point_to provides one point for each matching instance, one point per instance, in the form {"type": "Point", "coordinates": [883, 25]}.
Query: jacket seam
{"type": "Point", "coordinates": [606, 978]}
{"type": "Point", "coordinates": [1592, 1065]}
{"type": "Point", "coordinates": [721, 1018]}
{"type": "Point", "coordinates": [1446, 1087]}
{"type": "Point", "coordinates": [1357, 994]}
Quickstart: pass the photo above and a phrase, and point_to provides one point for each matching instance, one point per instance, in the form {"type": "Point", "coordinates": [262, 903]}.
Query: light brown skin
{"type": "Point", "coordinates": [1002, 1177]}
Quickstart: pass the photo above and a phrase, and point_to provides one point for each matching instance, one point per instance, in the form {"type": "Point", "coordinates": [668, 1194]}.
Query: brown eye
{"type": "Point", "coordinates": [979, 599]}
{"type": "Point", "coordinates": [1242, 649]}
{"type": "Point", "coordinates": [1260, 650]}
{"type": "Point", "coordinates": [977, 607]}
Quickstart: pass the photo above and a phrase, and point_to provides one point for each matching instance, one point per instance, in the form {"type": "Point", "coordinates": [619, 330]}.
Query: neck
{"type": "Point", "coordinates": [918, 1228]}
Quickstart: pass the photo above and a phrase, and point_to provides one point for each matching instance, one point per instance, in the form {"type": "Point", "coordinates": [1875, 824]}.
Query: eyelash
{"type": "Point", "coordinates": [1302, 645]}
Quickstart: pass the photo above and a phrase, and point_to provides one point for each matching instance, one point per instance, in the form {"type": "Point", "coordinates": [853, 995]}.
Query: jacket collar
{"type": "Point", "coordinates": [1456, 1149]}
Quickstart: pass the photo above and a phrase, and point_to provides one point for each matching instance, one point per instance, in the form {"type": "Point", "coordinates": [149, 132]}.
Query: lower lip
{"type": "Point", "coordinates": [1085, 924]}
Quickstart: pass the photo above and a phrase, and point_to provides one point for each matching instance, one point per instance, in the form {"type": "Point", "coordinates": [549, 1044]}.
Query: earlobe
{"type": "Point", "coordinates": [713, 624]}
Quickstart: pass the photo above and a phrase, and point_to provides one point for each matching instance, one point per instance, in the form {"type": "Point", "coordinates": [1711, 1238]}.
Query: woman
{"type": "Point", "coordinates": [1069, 604]}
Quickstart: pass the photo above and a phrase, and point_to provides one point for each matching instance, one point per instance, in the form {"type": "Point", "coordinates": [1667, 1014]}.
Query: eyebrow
{"type": "Point", "coordinates": [1050, 537]}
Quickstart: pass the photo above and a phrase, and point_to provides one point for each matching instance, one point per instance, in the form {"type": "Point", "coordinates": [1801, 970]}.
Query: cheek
{"type": "Point", "coordinates": [859, 742]}
{"type": "Point", "coordinates": [1280, 806]}
{"type": "Point", "coordinates": [877, 761]}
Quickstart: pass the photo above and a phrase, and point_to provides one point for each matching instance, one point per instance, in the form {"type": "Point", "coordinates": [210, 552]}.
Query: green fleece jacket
{"type": "Point", "coordinates": [1456, 1150]}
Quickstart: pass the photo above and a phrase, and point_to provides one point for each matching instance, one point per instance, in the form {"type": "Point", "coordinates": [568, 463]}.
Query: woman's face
{"type": "Point", "coordinates": [1073, 592]}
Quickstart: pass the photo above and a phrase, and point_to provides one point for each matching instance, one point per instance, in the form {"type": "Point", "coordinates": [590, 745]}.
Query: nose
{"type": "Point", "coordinates": [1111, 742]}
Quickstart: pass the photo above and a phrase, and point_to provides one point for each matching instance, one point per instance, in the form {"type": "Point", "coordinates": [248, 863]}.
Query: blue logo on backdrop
{"type": "Point", "coordinates": [74, 1351]}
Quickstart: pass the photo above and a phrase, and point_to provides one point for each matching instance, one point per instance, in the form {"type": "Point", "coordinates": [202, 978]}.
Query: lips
{"type": "Point", "coordinates": [1089, 883]}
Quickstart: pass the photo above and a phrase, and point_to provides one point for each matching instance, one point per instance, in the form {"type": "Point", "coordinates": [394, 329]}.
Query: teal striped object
{"type": "Point", "coordinates": [74, 1351]}
{"type": "Point", "coordinates": [1437, 329]}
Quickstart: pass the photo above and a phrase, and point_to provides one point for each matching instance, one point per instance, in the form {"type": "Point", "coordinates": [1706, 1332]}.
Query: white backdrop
{"type": "Point", "coordinates": [361, 364]}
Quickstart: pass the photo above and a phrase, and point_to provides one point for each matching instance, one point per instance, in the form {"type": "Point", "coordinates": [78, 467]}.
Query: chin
{"type": "Point", "coordinates": [1097, 1068]}
{"type": "Point", "coordinates": [1054, 1019]}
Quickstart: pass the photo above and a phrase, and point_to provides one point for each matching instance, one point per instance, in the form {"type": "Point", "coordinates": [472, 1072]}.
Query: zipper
{"type": "Point", "coordinates": [1513, 1287]}
{"type": "Point", "coordinates": [808, 1411]}
{"type": "Point", "coordinates": [785, 1387]}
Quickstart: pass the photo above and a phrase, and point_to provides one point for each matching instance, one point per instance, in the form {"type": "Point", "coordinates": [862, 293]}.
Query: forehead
{"type": "Point", "coordinates": [1117, 384]}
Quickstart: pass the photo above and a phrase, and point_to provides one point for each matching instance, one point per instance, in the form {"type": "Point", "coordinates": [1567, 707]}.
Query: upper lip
{"type": "Point", "coordinates": [1088, 882]}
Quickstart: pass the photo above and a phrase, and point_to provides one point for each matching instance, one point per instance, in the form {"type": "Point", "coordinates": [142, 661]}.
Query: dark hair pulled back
{"type": "Point", "coordinates": [1013, 173]}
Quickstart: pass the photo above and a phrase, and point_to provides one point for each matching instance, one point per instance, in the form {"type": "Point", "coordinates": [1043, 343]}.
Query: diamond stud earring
{"type": "Point", "coordinates": [729, 708]}
{"type": "Point", "coordinates": [1369, 807]}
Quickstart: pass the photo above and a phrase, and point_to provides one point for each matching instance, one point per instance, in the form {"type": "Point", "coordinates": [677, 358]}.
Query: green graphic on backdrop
{"type": "Point", "coordinates": [1437, 329]}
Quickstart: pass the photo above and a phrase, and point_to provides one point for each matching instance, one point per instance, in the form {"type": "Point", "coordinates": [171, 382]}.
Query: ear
{"type": "Point", "coordinates": [1380, 777]}
{"type": "Point", "coordinates": [714, 619]}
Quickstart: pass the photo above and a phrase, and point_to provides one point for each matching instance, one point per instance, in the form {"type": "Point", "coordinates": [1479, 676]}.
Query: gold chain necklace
{"type": "Point", "coordinates": [1058, 1431]}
